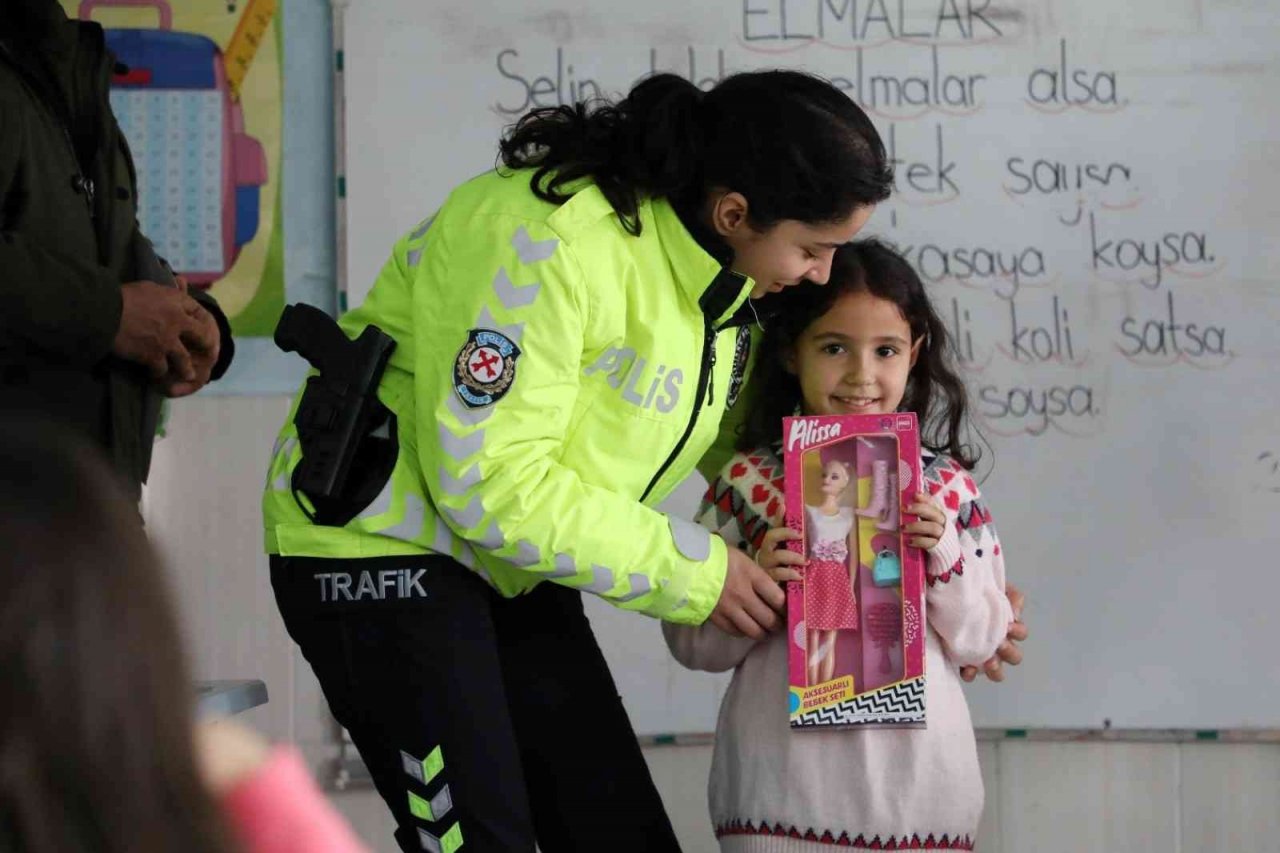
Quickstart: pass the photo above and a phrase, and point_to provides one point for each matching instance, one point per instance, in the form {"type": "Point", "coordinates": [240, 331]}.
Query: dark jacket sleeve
{"type": "Point", "coordinates": [55, 304]}
{"type": "Point", "coordinates": [226, 344]}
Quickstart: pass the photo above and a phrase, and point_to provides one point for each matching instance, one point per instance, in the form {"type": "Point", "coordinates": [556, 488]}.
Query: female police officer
{"type": "Point", "coordinates": [569, 331]}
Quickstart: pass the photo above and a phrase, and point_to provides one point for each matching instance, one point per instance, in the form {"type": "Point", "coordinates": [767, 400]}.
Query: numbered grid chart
{"type": "Point", "coordinates": [177, 141]}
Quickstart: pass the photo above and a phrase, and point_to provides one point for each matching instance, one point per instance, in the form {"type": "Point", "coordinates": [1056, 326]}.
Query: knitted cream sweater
{"type": "Point", "coordinates": [774, 789]}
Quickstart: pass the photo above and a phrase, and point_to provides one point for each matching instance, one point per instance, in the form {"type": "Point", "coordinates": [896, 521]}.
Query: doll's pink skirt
{"type": "Point", "coordinates": [829, 602]}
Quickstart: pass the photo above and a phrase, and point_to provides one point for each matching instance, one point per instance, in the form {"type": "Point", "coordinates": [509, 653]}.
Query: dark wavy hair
{"type": "Point", "coordinates": [96, 716]}
{"type": "Point", "coordinates": [791, 143]}
{"type": "Point", "coordinates": [934, 390]}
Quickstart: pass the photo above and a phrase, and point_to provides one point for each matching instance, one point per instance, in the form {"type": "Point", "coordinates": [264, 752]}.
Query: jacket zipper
{"type": "Point", "coordinates": [705, 384]}
{"type": "Point", "coordinates": [94, 46]}
{"type": "Point", "coordinates": [81, 183]}
{"type": "Point", "coordinates": [711, 375]}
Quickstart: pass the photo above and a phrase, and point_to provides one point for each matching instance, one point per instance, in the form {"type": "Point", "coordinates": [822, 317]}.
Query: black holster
{"type": "Point", "coordinates": [348, 437]}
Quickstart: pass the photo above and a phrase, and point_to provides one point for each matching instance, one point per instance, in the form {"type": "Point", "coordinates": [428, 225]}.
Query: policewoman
{"type": "Point", "coordinates": [569, 331]}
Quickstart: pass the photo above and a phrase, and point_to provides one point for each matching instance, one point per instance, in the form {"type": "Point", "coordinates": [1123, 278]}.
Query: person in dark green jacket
{"type": "Point", "coordinates": [95, 329]}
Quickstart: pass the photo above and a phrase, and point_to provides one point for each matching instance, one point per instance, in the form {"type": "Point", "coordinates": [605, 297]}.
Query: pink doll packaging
{"type": "Point", "coordinates": [855, 625]}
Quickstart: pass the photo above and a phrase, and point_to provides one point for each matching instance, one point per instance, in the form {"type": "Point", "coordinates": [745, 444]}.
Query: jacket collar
{"type": "Point", "coordinates": [713, 286]}
{"type": "Point", "coordinates": [718, 290]}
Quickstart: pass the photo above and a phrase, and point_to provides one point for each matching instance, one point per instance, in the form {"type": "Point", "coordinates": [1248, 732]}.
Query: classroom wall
{"type": "Point", "coordinates": [202, 507]}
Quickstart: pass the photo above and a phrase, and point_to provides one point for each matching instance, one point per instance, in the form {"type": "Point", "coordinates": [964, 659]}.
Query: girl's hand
{"type": "Point", "coordinates": [931, 522]}
{"type": "Point", "coordinates": [777, 560]}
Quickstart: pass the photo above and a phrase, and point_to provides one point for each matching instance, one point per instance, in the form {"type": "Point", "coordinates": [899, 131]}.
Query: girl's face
{"type": "Point", "coordinates": [835, 477]}
{"type": "Point", "coordinates": [855, 359]}
{"type": "Point", "coordinates": [789, 252]}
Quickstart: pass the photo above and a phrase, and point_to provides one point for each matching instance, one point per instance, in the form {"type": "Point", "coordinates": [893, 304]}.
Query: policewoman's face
{"type": "Point", "coordinates": [789, 252]}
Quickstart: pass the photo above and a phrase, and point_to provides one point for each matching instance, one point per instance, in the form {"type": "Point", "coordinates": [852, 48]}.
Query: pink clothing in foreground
{"type": "Point", "coordinates": [279, 809]}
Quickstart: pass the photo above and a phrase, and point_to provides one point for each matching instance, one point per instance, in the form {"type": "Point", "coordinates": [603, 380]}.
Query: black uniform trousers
{"type": "Point", "coordinates": [487, 723]}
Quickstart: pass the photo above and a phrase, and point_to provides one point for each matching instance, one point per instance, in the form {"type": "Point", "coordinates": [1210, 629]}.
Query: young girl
{"type": "Point", "coordinates": [868, 342]}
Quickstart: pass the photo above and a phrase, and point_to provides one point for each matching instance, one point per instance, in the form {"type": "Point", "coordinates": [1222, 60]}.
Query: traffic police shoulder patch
{"type": "Point", "coordinates": [485, 368]}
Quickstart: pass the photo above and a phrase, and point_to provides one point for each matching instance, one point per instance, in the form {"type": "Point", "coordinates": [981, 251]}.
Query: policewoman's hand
{"type": "Point", "coordinates": [750, 600]}
{"type": "Point", "coordinates": [1008, 652]}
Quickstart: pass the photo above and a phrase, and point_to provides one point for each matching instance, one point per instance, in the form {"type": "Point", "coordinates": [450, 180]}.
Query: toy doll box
{"type": "Point", "coordinates": [856, 622]}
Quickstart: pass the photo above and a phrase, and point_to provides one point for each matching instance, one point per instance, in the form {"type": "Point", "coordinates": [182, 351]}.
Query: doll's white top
{"type": "Point", "coordinates": [828, 535]}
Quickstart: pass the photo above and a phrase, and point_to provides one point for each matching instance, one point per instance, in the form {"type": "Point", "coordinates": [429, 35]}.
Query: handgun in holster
{"type": "Point", "coordinates": [347, 456]}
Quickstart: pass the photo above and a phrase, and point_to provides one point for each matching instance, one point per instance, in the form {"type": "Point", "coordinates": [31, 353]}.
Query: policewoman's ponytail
{"type": "Point", "coordinates": [795, 146]}
{"type": "Point", "coordinates": [648, 144]}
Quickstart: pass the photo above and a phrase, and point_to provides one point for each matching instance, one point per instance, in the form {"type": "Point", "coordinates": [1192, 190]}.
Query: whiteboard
{"type": "Point", "coordinates": [1089, 189]}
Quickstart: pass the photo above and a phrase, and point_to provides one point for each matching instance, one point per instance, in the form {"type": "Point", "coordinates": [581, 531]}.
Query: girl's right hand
{"type": "Point", "coordinates": [778, 560]}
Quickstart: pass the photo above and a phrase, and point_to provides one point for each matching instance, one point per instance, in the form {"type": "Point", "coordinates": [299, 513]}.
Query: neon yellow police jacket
{"type": "Point", "coordinates": [554, 379]}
